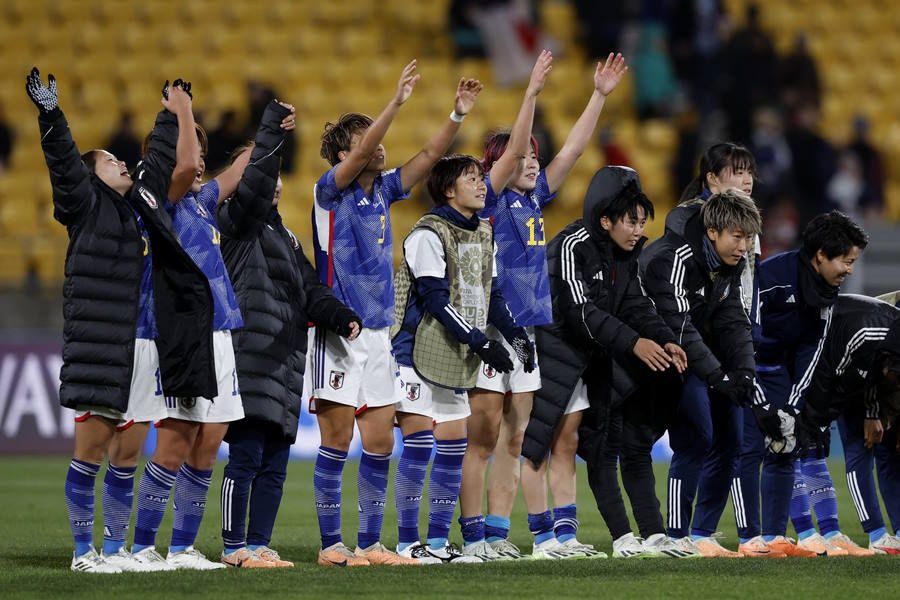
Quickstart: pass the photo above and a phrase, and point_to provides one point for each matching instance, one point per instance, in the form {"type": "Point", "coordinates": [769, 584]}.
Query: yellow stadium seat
{"type": "Point", "coordinates": [12, 262]}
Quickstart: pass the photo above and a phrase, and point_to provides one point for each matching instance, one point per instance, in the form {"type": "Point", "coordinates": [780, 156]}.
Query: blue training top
{"type": "Point", "coordinates": [146, 323]}
{"type": "Point", "coordinates": [195, 222]}
{"type": "Point", "coordinates": [521, 249]}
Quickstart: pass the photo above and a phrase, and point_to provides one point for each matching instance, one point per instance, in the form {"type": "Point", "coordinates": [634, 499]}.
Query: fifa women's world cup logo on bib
{"type": "Point", "coordinates": [471, 289]}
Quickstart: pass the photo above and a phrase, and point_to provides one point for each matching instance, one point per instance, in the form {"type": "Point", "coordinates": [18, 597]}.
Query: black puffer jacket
{"type": "Point", "coordinates": [703, 309]}
{"type": "Point", "coordinates": [599, 312]}
{"type": "Point", "coordinates": [277, 289]}
{"type": "Point", "coordinates": [861, 329]}
{"type": "Point", "coordinates": [104, 264]}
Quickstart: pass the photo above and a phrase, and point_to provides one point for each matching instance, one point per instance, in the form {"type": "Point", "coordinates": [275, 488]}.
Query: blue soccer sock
{"type": "Point", "coordinates": [371, 482]}
{"type": "Point", "coordinates": [800, 515]}
{"type": "Point", "coordinates": [472, 529]}
{"type": "Point", "coordinates": [153, 495]}
{"type": "Point", "coordinates": [409, 481]}
{"type": "Point", "coordinates": [189, 503]}
{"type": "Point", "coordinates": [565, 525]}
{"type": "Point", "coordinates": [327, 487]}
{"type": "Point", "coordinates": [876, 534]}
{"type": "Point", "coordinates": [80, 503]}
{"type": "Point", "coordinates": [821, 495]}
{"type": "Point", "coordinates": [496, 528]}
{"type": "Point", "coordinates": [443, 489]}
{"type": "Point", "coordinates": [541, 525]}
{"type": "Point", "coordinates": [118, 500]}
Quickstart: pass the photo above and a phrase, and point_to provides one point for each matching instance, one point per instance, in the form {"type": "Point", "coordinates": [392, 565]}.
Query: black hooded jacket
{"type": "Point", "coordinates": [599, 312]}
{"type": "Point", "coordinates": [703, 308]}
{"type": "Point", "coordinates": [861, 329]}
{"type": "Point", "coordinates": [277, 289]}
{"type": "Point", "coordinates": [104, 264]}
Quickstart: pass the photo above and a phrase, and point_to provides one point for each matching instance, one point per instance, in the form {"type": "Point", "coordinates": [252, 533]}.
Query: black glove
{"type": "Point", "coordinates": [343, 318]}
{"type": "Point", "coordinates": [813, 440]}
{"type": "Point", "coordinates": [185, 85]}
{"type": "Point", "coordinates": [737, 387]}
{"type": "Point", "coordinates": [44, 97]}
{"type": "Point", "coordinates": [768, 420]}
{"type": "Point", "coordinates": [495, 355]}
{"type": "Point", "coordinates": [524, 351]}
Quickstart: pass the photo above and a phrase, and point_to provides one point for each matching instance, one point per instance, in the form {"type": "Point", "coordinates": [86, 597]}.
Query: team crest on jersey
{"type": "Point", "coordinates": [336, 380]}
{"type": "Point", "coordinates": [489, 371]}
{"type": "Point", "coordinates": [148, 197]}
{"type": "Point", "coordinates": [413, 391]}
{"type": "Point", "coordinates": [188, 403]}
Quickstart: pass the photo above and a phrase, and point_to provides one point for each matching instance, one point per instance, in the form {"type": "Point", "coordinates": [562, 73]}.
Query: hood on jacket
{"type": "Point", "coordinates": [605, 186]}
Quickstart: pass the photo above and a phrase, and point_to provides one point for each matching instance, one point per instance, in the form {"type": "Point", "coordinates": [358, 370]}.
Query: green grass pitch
{"type": "Point", "coordinates": [36, 550]}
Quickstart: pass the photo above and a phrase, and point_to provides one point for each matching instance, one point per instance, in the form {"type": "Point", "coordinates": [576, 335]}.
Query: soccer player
{"type": "Point", "coordinates": [857, 381]}
{"type": "Point", "coordinates": [517, 193]}
{"type": "Point", "coordinates": [357, 381]}
{"type": "Point", "coordinates": [600, 316]}
{"type": "Point", "coordinates": [693, 274]}
{"type": "Point", "coordinates": [111, 370]}
{"type": "Point", "coordinates": [280, 292]}
{"type": "Point", "coordinates": [797, 294]}
{"type": "Point", "coordinates": [447, 293]}
{"type": "Point", "coordinates": [188, 439]}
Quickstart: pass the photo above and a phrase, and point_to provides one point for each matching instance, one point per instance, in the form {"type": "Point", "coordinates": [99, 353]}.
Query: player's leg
{"type": "Point", "coordinates": [745, 485]}
{"type": "Point", "coordinates": [376, 428]}
{"type": "Point", "coordinates": [859, 462]}
{"type": "Point", "coordinates": [719, 469]}
{"type": "Point", "coordinates": [174, 440]}
{"type": "Point", "coordinates": [336, 431]}
{"type": "Point", "coordinates": [92, 437]}
{"type": "Point", "coordinates": [409, 479]}
{"type": "Point", "coordinates": [887, 464]}
{"type": "Point", "coordinates": [483, 429]}
{"type": "Point", "coordinates": [690, 436]}
{"type": "Point", "coordinates": [246, 442]}
{"type": "Point", "coordinates": [505, 472]}
{"type": "Point", "coordinates": [266, 494]}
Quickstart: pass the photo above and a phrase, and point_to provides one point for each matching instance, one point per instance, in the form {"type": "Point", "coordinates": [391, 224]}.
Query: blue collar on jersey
{"type": "Point", "coordinates": [448, 213]}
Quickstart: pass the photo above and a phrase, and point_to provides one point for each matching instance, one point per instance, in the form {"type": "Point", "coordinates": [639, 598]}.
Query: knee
{"type": "Point", "coordinates": [338, 440]}
{"type": "Point", "coordinates": [515, 444]}
{"type": "Point", "coordinates": [124, 457]}
{"type": "Point", "coordinates": [383, 443]}
{"type": "Point", "coordinates": [567, 445]}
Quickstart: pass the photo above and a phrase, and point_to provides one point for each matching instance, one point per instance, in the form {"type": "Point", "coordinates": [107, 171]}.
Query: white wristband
{"type": "Point", "coordinates": [455, 116]}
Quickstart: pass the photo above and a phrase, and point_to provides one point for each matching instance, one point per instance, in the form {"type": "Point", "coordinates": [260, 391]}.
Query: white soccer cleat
{"type": "Point", "coordinates": [126, 561]}
{"type": "Point", "coordinates": [508, 549]}
{"type": "Point", "coordinates": [484, 551]}
{"type": "Point", "coordinates": [192, 559]}
{"type": "Point", "coordinates": [659, 545]}
{"type": "Point", "coordinates": [629, 546]}
{"type": "Point", "coordinates": [91, 562]}
{"type": "Point", "coordinates": [573, 545]}
{"type": "Point", "coordinates": [552, 550]}
{"type": "Point", "coordinates": [419, 552]}
{"type": "Point", "coordinates": [886, 544]}
{"type": "Point", "coordinates": [451, 555]}
{"type": "Point", "coordinates": [151, 558]}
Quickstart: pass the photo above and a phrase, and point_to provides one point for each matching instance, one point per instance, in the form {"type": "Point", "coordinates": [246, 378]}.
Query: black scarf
{"type": "Point", "coordinates": [448, 213]}
{"type": "Point", "coordinates": [713, 261]}
{"type": "Point", "coordinates": [814, 290]}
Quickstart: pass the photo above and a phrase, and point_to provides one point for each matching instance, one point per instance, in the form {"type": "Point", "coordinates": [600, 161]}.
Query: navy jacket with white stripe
{"type": "Point", "coordinates": [861, 328]}
{"type": "Point", "coordinates": [703, 309]}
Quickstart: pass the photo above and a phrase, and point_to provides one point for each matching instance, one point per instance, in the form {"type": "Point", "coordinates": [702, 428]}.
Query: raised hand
{"type": "Point", "coordinates": [408, 80]}
{"type": "Point", "coordinates": [289, 122]}
{"type": "Point", "coordinates": [466, 92]}
{"type": "Point", "coordinates": [175, 98]}
{"type": "Point", "coordinates": [539, 73]}
{"type": "Point", "coordinates": [44, 97]}
{"type": "Point", "coordinates": [608, 75]}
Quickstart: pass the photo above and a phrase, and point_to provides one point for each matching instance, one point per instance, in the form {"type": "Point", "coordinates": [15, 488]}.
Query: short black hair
{"type": "Point", "coordinates": [445, 172]}
{"type": "Point", "coordinates": [626, 202]}
{"type": "Point", "coordinates": [337, 136]}
{"type": "Point", "coordinates": [89, 159]}
{"type": "Point", "coordinates": [834, 233]}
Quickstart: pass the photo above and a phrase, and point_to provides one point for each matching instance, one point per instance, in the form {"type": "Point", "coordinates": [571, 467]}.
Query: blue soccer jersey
{"type": "Point", "coordinates": [195, 222]}
{"type": "Point", "coordinates": [353, 244]}
{"type": "Point", "coordinates": [521, 249]}
{"type": "Point", "coordinates": [146, 323]}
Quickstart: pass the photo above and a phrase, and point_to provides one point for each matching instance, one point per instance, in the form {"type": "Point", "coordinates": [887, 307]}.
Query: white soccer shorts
{"type": "Point", "coordinates": [578, 401]}
{"type": "Point", "coordinates": [145, 398]}
{"type": "Point", "coordinates": [516, 381]}
{"type": "Point", "coordinates": [422, 398]}
{"type": "Point", "coordinates": [226, 406]}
